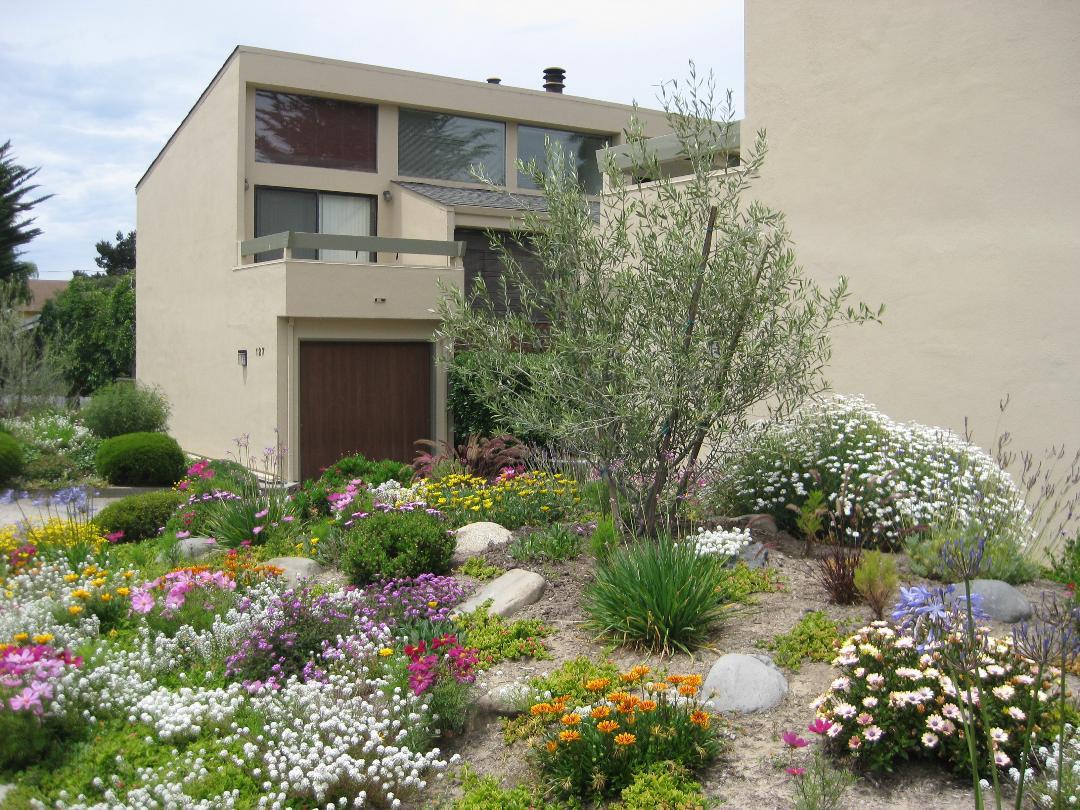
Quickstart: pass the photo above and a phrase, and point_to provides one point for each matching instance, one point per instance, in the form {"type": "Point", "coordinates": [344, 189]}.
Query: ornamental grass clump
{"type": "Point", "coordinates": [658, 594]}
{"type": "Point", "coordinates": [922, 475]}
{"type": "Point", "coordinates": [629, 724]}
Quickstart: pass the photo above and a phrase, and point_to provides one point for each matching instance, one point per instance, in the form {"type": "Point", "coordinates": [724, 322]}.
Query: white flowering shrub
{"type": "Point", "coordinates": [1056, 783]}
{"type": "Point", "coordinates": [884, 479]}
{"type": "Point", "coordinates": [720, 542]}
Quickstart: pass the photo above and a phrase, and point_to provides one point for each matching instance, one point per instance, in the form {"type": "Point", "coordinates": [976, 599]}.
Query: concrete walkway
{"type": "Point", "coordinates": [11, 513]}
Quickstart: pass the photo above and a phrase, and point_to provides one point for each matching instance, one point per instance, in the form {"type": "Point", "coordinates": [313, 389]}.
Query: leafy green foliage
{"type": "Point", "coordinates": [126, 407]}
{"type": "Point", "coordinates": [549, 544]}
{"type": "Point", "coordinates": [604, 538]}
{"type": "Point", "coordinates": [656, 344]}
{"type": "Point", "coordinates": [485, 793]}
{"type": "Point", "coordinates": [27, 370]}
{"type": "Point", "coordinates": [1003, 559]}
{"type": "Point", "coordinates": [814, 638]}
{"type": "Point", "coordinates": [141, 459]}
{"type": "Point", "coordinates": [118, 259]}
{"type": "Point", "coordinates": [664, 786]}
{"type": "Point", "coordinates": [876, 580]}
{"type": "Point", "coordinates": [477, 568]}
{"type": "Point", "coordinates": [496, 639]}
{"type": "Point", "coordinates": [16, 226]}
{"type": "Point", "coordinates": [310, 500]}
{"type": "Point", "coordinates": [810, 516]}
{"type": "Point", "coordinates": [1065, 567]}
{"type": "Point", "coordinates": [395, 544]}
{"type": "Point", "coordinates": [91, 329]}
{"type": "Point", "coordinates": [567, 680]}
{"type": "Point", "coordinates": [139, 516]}
{"type": "Point", "coordinates": [657, 594]}
{"type": "Point", "coordinates": [741, 582]}
{"type": "Point", "coordinates": [11, 458]}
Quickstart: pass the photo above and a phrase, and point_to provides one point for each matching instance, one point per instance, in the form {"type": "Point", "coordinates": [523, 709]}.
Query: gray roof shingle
{"type": "Point", "coordinates": [483, 198]}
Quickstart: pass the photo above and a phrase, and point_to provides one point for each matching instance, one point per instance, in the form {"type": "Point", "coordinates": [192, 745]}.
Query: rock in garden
{"type": "Point", "coordinates": [194, 548]}
{"type": "Point", "coordinates": [297, 569]}
{"type": "Point", "coordinates": [755, 555]}
{"type": "Point", "coordinates": [4, 791]}
{"type": "Point", "coordinates": [514, 590]}
{"type": "Point", "coordinates": [476, 538]}
{"type": "Point", "coordinates": [758, 524]}
{"type": "Point", "coordinates": [744, 683]}
{"type": "Point", "coordinates": [507, 700]}
{"type": "Point", "coordinates": [999, 600]}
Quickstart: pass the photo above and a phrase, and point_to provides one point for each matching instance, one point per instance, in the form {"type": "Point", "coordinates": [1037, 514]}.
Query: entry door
{"type": "Point", "coordinates": [360, 397]}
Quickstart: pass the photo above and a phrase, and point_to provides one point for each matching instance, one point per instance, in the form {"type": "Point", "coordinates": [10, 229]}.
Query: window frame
{"type": "Point", "coordinates": [505, 143]}
{"type": "Point", "coordinates": [317, 192]}
{"type": "Point", "coordinates": [374, 106]}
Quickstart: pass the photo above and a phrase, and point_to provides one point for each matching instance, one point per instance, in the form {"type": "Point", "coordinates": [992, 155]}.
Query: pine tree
{"type": "Point", "coordinates": [16, 227]}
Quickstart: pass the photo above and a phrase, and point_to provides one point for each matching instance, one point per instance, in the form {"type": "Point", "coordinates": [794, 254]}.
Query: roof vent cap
{"type": "Point", "coordinates": [554, 78]}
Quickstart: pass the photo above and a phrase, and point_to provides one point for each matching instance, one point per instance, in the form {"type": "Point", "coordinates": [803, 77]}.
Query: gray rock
{"type": "Point", "coordinates": [758, 524]}
{"type": "Point", "coordinates": [514, 590]}
{"type": "Point", "coordinates": [476, 538]}
{"type": "Point", "coordinates": [5, 790]}
{"type": "Point", "coordinates": [744, 683]}
{"type": "Point", "coordinates": [298, 569]}
{"type": "Point", "coordinates": [1000, 600]}
{"type": "Point", "coordinates": [194, 548]}
{"type": "Point", "coordinates": [507, 700]}
{"type": "Point", "coordinates": [755, 555]}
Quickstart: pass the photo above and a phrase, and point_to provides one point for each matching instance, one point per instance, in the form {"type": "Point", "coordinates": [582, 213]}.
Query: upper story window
{"type": "Point", "coordinates": [448, 147]}
{"type": "Point", "coordinates": [307, 211]}
{"type": "Point", "coordinates": [310, 131]}
{"type": "Point", "coordinates": [579, 149]}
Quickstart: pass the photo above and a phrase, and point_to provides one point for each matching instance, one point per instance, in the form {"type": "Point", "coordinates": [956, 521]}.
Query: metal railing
{"type": "Point", "coordinates": [287, 241]}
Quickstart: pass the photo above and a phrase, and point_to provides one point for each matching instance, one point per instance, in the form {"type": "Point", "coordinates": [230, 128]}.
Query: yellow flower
{"type": "Point", "coordinates": [570, 735]}
{"type": "Point", "coordinates": [97, 583]}
{"type": "Point", "coordinates": [123, 591]}
{"type": "Point", "coordinates": [625, 739]}
{"type": "Point", "coordinates": [607, 726]}
{"type": "Point", "coordinates": [80, 593]}
{"type": "Point", "coordinates": [432, 604]}
{"type": "Point", "coordinates": [70, 577]}
{"type": "Point", "coordinates": [43, 638]}
{"type": "Point", "coordinates": [19, 638]}
{"type": "Point", "coordinates": [129, 574]}
{"type": "Point", "coordinates": [75, 610]}
{"type": "Point", "coordinates": [385, 651]}
{"type": "Point", "coordinates": [105, 597]}
{"type": "Point", "coordinates": [552, 746]}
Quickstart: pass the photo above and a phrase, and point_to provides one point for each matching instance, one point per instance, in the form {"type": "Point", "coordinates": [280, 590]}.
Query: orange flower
{"type": "Point", "coordinates": [570, 735]}
{"type": "Point", "coordinates": [598, 684]}
{"type": "Point", "coordinates": [700, 718]}
{"type": "Point", "coordinates": [600, 712]}
{"type": "Point", "coordinates": [540, 708]}
{"type": "Point", "coordinates": [570, 719]}
{"type": "Point", "coordinates": [552, 746]}
{"type": "Point", "coordinates": [635, 674]}
{"type": "Point", "coordinates": [658, 686]}
{"type": "Point", "coordinates": [607, 726]}
{"type": "Point", "coordinates": [688, 689]}
{"type": "Point", "coordinates": [618, 697]}
{"type": "Point", "coordinates": [693, 680]}
{"type": "Point", "coordinates": [675, 680]}
{"type": "Point", "coordinates": [625, 739]}
{"type": "Point", "coordinates": [647, 705]}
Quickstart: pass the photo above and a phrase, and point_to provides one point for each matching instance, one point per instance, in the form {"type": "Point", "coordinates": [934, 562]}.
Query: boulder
{"type": "Point", "coordinates": [999, 600]}
{"type": "Point", "coordinates": [194, 548]}
{"type": "Point", "coordinates": [476, 538]}
{"type": "Point", "coordinates": [298, 569]}
{"type": "Point", "coordinates": [755, 555]}
{"type": "Point", "coordinates": [514, 590]}
{"type": "Point", "coordinates": [744, 683]}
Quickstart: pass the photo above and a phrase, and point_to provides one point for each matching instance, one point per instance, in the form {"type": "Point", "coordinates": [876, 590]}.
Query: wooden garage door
{"type": "Point", "coordinates": [370, 398]}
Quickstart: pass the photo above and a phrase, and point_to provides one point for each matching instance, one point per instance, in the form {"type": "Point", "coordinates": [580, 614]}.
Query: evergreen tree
{"type": "Point", "coordinates": [118, 259]}
{"type": "Point", "coordinates": [16, 227]}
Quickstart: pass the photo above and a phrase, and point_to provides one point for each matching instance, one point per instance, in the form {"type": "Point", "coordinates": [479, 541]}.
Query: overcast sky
{"type": "Point", "coordinates": [91, 91]}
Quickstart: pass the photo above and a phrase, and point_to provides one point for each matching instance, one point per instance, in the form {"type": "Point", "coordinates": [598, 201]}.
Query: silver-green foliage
{"type": "Point", "coordinates": [665, 324]}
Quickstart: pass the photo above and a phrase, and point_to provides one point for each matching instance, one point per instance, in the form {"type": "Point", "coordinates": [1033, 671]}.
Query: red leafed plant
{"type": "Point", "coordinates": [480, 455]}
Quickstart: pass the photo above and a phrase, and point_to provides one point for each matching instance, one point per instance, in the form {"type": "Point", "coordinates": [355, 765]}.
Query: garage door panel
{"type": "Point", "coordinates": [366, 397]}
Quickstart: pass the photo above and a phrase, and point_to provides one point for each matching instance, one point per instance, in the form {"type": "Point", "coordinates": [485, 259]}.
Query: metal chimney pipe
{"type": "Point", "coordinates": [494, 80]}
{"type": "Point", "coordinates": [554, 78]}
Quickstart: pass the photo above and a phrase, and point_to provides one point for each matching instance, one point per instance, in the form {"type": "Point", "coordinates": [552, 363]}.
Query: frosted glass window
{"type": "Point", "coordinates": [344, 214]}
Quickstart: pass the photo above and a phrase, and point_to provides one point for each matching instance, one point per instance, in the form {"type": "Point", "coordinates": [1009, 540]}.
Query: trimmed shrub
{"type": "Point", "coordinates": [139, 516]}
{"type": "Point", "coordinates": [126, 407]}
{"type": "Point", "coordinates": [395, 544]}
{"type": "Point", "coordinates": [141, 459]}
{"type": "Point", "coordinates": [311, 499]}
{"type": "Point", "coordinates": [11, 458]}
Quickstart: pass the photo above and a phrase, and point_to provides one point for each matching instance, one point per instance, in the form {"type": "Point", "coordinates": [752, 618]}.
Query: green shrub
{"type": "Point", "coordinates": [11, 458]}
{"type": "Point", "coordinates": [126, 407]}
{"type": "Point", "coordinates": [310, 500]}
{"type": "Point", "coordinates": [50, 468]}
{"type": "Point", "coordinates": [1065, 567]}
{"type": "Point", "coordinates": [657, 594]}
{"type": "Point", "coordinates": [141, 459]}
{"type": "Point", "coordinates": [496, 640]}
{"type": "Point", "coordinates": [139, 516]}
{"type": "Point", "coordinates": [814, 638]}
{"type": "Point", "coordinates": [485, 793]}
{"type": "Point", "coordinates": [394, 544]}
{"type": "Point", "coordinates": [604, 539]}
{"type": "Point", "coordinates": [1003, 558]}
{"type": "Point", "coordinates": [664, 786]}
{"type": "Point", "coordinates": [477, 568]}
{"type": "Point", "coordinates": [876, 580]}
{"type": "Point", "coordinates": [550, 544]}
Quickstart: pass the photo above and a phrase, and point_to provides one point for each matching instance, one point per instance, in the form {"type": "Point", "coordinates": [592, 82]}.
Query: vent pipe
{"type": "Point", "coordinates": [494, 80]}
{"type": "Point", "coordinates": [554, 78]}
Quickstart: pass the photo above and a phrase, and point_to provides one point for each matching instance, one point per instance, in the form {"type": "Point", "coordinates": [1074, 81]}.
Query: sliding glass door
{"type": "Point", "coordinates": [285, 209]}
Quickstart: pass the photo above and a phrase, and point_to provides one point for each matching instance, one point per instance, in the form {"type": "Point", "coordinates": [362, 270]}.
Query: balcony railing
{"type": "Point", "coordinates": [287, 241]}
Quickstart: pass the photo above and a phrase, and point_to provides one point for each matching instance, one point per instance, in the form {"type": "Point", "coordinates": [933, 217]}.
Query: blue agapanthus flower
{"type": "Point", "coordinates": [931, 612]}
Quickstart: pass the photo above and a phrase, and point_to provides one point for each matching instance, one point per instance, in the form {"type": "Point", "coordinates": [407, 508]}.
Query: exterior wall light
{"type": "Point", "coordinates": [387, 195]}
{"type": "Point", "coordinates": [241, 357]}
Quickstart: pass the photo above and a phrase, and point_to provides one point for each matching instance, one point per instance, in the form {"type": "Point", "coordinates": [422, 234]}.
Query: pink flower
{"type": "Point", "coordinates": [245, 543]}
{"type": "Point", "coordinates": [114, 537]}
{"type": "Point", "coordinates": [288, 518]}
{"type": "Point", "coordinates": [182, 486]}
{"type": "Point", "coordinates": [819, 726]}
{"type": "Point", "coordinates": [142, 602]}
{"type": "Point", "coordinates": [262, 514]}
{"type": "Point", "coordinates": [796, 771]}
{"type": "Point", "coordinates": [182, 535]}
{"type": "Point", "coordinates": [794, 740]}
{"type": "Point", "coordinates": [257, 530]}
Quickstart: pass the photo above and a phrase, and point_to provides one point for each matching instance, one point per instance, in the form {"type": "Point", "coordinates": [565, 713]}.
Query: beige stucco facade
{"type": "Point", "coordinates": [930, 151]}
{"type": "Point", "coordinates": [199, 303]}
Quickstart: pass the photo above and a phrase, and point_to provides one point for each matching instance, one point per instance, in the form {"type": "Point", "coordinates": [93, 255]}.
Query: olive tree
{"type": "Point", "coordinates": [660, 331]}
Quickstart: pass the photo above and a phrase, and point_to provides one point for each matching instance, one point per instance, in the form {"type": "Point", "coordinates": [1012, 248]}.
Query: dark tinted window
{"type": "Point", "coordinates": [446, 147]}
{"type": "Point", "coordinates": [310, 131]}
{"type": "Point", "coordinates": [279, 209]}
{"type": "Point", "coordinates": [579, 149]}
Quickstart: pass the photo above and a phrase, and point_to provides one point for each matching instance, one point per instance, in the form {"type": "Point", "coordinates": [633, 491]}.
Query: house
{"type": "Point", "coordinates": [299, 227]}
{"type": "Point", "coordinates": [930, 152]}
{"type": "Point", "coordinates": [41, 291]}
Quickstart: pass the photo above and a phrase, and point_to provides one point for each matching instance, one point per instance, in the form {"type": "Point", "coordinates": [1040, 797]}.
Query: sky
{"type": "Point", "coordinates": [91, 91]}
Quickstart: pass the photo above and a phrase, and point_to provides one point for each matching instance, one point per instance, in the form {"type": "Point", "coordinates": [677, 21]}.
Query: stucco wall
{"type": "Point", "coordinates": [930, 151]}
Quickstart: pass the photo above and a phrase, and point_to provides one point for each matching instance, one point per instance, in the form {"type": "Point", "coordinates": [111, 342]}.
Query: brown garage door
{"type": "Point", "coordinates": [370, 398]}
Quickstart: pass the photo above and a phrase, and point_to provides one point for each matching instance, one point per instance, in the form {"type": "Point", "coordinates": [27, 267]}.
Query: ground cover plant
{"type": "Point", "coordinates": [494, 639]}
{"type": "Point", "coordinates": [815, 638]}
{"type": "Point", "coordinates": [513, 500]}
